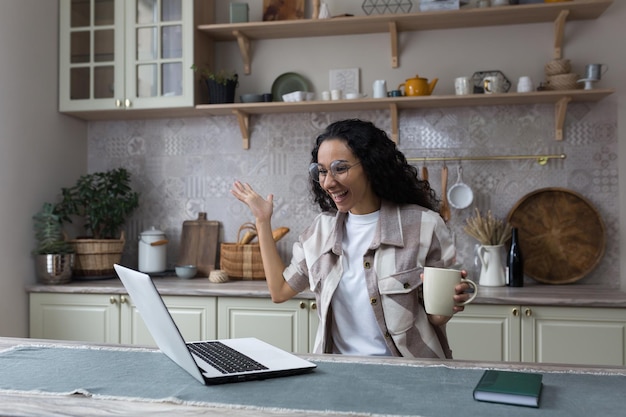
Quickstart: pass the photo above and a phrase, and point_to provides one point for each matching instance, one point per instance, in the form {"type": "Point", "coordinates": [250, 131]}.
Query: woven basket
{"type": "Point", "coordinates": [242, 261]}
{"type": "Point", "coordinates": [558, 66]}
{"type": "Point", "coordinates": [563, 82]}
{"type": "Point", "coordinates": [95, 257]}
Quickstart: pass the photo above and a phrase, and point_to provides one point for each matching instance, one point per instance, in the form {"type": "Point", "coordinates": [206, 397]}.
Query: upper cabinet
{"type": "Point", "coordinates": [127, 54]}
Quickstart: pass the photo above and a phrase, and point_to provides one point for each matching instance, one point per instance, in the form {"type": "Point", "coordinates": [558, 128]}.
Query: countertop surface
{"type": "Point", "coordinates": [572, 295]}
{"type": "Point", "coordinates": [33, 403]}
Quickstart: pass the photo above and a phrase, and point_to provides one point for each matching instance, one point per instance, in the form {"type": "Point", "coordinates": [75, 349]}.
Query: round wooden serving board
{"type": "Point", "coordinates": [561, 235]}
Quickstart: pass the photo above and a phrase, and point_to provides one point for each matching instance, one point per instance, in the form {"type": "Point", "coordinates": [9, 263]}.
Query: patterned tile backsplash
{"type": "Point", "coordinates": [185, 166]}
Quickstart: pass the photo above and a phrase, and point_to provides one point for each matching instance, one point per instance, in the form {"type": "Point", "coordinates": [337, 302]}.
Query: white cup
{"type": "Point", "coordinates": [325, 95]}
{"type": "Point", "coordinates": [439, 291]}
{"type": "Point", "coordinates": [335, 94]}
{"type": "Point", "coordinates": [380, 88]}
{"type": "Point", "coordinates": [595, 71]}
{"type": "Point", "coordinates": [463, 86]}
{"type": "Point", "coordinates": [493, 85]}
{"type": "Point", "coordinates": [525, 84]}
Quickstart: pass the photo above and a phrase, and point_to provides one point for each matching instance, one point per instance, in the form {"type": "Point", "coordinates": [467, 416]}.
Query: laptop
{"type": "Point", "coordinates": [211, 361]}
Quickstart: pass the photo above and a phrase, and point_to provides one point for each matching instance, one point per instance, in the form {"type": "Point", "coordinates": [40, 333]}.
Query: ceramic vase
{"type": "Point", "coordinates": [492, 273]}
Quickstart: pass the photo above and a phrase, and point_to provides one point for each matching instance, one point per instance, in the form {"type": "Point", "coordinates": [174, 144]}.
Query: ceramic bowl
{"type": "Point", "coordinates": [186, 271]}
{"type": "Point", "coordinates": [251, 98]}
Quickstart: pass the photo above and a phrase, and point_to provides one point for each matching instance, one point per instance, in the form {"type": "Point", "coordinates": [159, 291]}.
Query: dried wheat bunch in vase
{"type": "Point", "coordinates": [488, 230]}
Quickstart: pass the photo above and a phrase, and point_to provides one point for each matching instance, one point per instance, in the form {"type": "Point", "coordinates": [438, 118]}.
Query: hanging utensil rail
{"type": "Point", "coordinates": [541, 159]}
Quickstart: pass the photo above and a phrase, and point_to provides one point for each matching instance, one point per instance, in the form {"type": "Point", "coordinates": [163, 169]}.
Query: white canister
{"type": "Point", "coordinates": [380, 88]}
{"type": "Point", "coordinates": [152, 250]}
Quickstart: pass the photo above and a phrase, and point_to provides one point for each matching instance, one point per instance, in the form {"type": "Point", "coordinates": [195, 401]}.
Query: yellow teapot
{"type": "Point", "coordinates": [418, 86]}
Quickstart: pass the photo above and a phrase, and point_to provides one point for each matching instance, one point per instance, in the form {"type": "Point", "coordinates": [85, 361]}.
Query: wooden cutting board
{"type": "Point", "coordinates": [561, 235]}
{"type": "Point", "coordinates": [198, 244]}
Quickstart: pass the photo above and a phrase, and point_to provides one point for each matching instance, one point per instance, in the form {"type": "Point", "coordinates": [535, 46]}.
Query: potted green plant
{"type": "Point", "coordinates": [54, 256]}
{"type": "Point", "coordinates": [221, 85]}
{"type": "Point", "coordinates": [104, 200]}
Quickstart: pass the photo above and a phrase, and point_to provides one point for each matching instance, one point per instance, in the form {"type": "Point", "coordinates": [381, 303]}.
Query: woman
{"type": "Point", "coordinates": [363, 256]}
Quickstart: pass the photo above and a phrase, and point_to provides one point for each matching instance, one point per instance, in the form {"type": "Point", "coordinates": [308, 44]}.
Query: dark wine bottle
{"type": "Point", "coordinates": [516, 262]}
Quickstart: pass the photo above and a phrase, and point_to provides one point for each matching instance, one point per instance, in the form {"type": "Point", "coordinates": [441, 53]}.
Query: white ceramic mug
{"type": "Point", "coordinates": [335, 94]}
{"type": "Point", "coordinates": [439, 291]}
{"type": "Point", "coordinates": [525, 84]}
{"type": "Point", "coordinates": [595, 71]}
{"type": "Point", "coordinates": [493, 85]}
{"type": "Point", "coordinates": [463, 86]}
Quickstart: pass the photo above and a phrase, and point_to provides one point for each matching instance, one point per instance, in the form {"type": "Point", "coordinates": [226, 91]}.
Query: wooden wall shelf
{"type": "Point", "coordinates": [558, 13]}
{"type": "Point", "coordinates": [243, 111]}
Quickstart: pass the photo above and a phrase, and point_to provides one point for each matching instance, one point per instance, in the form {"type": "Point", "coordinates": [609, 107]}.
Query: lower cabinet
{"type": "Point", "coordinates": [112, 318]}
{"type": "Point", "coordinates": [588, 336]}
{"type": "Point", "coordinates": [290, 325]}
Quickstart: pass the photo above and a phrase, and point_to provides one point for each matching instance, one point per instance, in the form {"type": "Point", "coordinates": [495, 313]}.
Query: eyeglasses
{"type": "Point", "coordinates": [338, 170]}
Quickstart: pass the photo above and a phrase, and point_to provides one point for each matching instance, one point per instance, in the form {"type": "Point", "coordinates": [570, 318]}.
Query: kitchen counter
{"type": "Point", "coordinates": [573, 295]}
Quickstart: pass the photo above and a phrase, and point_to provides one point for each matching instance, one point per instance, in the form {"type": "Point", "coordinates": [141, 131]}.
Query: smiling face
{"type": "Point", "coordinates": [351, 192]}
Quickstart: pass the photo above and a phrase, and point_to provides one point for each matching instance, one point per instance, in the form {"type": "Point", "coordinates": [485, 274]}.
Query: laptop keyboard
{"type": "Point", "coordinates": [224, 358]}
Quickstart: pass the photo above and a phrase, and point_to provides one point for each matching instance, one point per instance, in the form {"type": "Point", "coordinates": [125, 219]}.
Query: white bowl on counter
{"type": "Point", "coordinates": [186, 271]}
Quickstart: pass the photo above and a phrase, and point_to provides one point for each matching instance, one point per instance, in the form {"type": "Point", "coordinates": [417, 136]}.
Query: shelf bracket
{"type": "Point", "coordinates": [393, 36]}
{"type": "Point", "coordinates": [244, 125]}
{"type": "Point", "coordinates": [559, 29]}
{"type": "Point", "coordinates": [560, 108]}
{"type": "Point", "coordinates": [393, 112]}
{"type": "Point", "coordinates": [244, 49]}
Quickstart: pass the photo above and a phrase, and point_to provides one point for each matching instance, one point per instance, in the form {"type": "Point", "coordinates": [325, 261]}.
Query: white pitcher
{"type": "Point", "coordinates": [492, 273]}
{"type": "Point", "coordinates": [380, 89]}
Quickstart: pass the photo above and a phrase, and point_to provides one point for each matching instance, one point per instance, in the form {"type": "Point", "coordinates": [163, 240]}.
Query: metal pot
{"type": "Point", "coordinates": [152, 250]}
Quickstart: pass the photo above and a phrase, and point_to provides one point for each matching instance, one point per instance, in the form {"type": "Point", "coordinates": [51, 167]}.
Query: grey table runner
{"type": "Point", "coordinates": [363, 389]}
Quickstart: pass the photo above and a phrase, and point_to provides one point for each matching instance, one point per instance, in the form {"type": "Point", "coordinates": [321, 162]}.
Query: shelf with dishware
{"type": "Point", "coordinates": [559, 98]}
{"type": "Point", "coordinates": [559, 13]}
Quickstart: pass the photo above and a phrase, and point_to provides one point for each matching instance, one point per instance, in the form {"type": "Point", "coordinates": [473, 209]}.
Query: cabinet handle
{"type": "Point", "coordinates": [123, 299]}
{"type": "Point", "coordinates": [302, 304]}
{"type": "Point", "coordinates": [313, 306]}
{"type": "Point", "coordinates": [118, 103]}
{"type": "Point", "coordinates": [515, 312]}
{"type": "Point", "coordinates": [528, 312]}
{"type": "Point", "coordinates": [127, 103]}
{"type": "Point", "coordinates": [113, 300]}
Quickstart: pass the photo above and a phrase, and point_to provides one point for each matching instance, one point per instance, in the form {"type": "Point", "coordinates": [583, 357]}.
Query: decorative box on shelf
{"type": "Point", "coordinates": [428, 5]}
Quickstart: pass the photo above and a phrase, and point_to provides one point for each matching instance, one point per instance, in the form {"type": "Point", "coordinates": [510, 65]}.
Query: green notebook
{"type": "Point", "coordinates": [509, 387]}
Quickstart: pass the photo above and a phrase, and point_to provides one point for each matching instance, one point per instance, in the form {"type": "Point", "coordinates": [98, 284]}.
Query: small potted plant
{"type": "Point", "coordinates": [54, 256]}
{"type": "Point", "coordinates": [104, 200]}
{"type": "Point", "coordinates": [221, 84]}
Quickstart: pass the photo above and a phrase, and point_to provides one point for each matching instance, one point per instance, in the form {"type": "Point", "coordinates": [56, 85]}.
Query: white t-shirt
{"type": "Point", "coordinates": [355, 331]}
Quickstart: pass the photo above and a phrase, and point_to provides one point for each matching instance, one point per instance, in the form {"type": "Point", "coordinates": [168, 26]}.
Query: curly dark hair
{"type": "Point", "coordinates": [386, 167]}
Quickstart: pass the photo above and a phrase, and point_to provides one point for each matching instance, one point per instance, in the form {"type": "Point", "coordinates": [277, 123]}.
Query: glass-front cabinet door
{"type": "Point", "coordinates": [159, 53]}
{"type": "Point", "coordinates": [91, 54]}
{"type": "Point", "coordinates": [125, 54]}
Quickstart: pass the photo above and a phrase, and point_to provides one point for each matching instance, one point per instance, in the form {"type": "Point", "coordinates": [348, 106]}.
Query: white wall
{"type": "Point", "coordinates": [40, 150]}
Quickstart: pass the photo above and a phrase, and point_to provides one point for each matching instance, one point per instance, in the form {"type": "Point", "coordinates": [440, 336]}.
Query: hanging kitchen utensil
{"type": "Point", "coordinates": [424, 173]}
{"type": "Point", "coordinates": [445, 207]}
{"type": "Point", "coordinates": [460, 195]}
